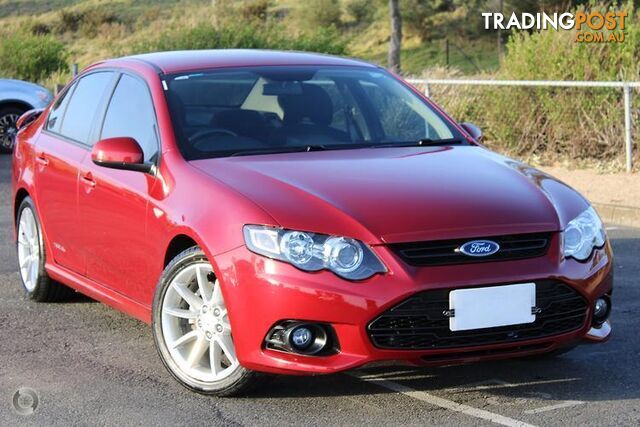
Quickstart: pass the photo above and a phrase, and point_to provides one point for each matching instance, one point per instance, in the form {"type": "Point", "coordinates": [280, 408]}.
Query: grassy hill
{"type": "Point", "coordinates": [538, 124]}
{"type": "Point", "coordinates": [96, 29]}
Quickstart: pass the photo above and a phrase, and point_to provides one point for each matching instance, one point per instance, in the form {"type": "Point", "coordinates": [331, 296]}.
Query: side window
{"type": "Point", "coordinates": [54, 122]}
{"type": "Point", "coordinates": [83, 105]}
{"type": "Point", "coordinates": [130, 113]}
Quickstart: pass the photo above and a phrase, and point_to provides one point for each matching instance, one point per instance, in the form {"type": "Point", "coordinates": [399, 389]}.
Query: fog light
{"type": "Point", "coordinates": [601, 310]}
{"type": "Point", "coordinates": [294, 336]}
{"type": "Point", "coordinates": [301, 338]}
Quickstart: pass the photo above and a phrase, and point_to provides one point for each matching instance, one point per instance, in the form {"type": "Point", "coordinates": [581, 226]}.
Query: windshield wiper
{"type": "Point", "coordinates": [277, 150]}
{"type": "Point", "coordinates": [425, 142]}
{"type": "Point", "coordinates": [319, 147]}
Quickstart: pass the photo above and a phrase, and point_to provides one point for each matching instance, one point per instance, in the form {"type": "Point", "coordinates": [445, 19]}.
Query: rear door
{"type": "Point", "coordinates": [60, 150]}
{"type": "Point", "coordinates": [113, 203]}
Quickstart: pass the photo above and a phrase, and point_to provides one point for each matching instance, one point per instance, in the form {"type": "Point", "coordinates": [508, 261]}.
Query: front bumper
{"type": "Point", "coordinates": [599, 333]}
{"type": "Point", "coordinates": [261, 292]}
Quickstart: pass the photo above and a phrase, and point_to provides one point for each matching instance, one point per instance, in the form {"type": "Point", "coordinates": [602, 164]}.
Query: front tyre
{"type": "Point", "coordinates": [32, 257]}
{"type": "Point", "coordinates": [191, 328]}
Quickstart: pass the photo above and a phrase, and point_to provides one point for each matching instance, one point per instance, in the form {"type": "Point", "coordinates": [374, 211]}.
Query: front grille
{"type": "Point", "coordinates": [420, 323]}
{"type": "Point", "coordinates": [443, 252]}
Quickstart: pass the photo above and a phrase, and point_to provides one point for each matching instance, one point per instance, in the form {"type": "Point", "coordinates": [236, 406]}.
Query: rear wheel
{"type": "Point", "coordinates": [32, 257]}
{"type": "Point", "coordinates": [8, 129]}
{"type": "Point", "coordinates": [192, 331]}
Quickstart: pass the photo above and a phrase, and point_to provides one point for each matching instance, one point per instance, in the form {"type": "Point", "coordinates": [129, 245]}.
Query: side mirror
{"type": "Point", "coordinates": [120, 153]}
{"type": "Point", "coordinates": [28, 117]}
{"type": "Point", "coordinates": [473, 130]}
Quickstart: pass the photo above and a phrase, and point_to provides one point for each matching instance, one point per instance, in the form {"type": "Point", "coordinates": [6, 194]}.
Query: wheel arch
{"type": "Point", "coordinates": [178, 244]}
{"type": "Point", "coordinates": [21, 194]}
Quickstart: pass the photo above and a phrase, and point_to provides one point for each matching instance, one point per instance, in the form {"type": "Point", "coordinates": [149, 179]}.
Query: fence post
{"type": "Point", "coordinates": [427, 90]}
{"type": "Point", "coordinates": [628, 126]}
{"type": "Point", "coordinates": [74, 70]}
{"type": "Point", "coordinates": [446, 51]}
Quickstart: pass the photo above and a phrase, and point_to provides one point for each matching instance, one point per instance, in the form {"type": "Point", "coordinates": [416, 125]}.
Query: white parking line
{"type": "Point", "coordinates": [389, 374]}
{"type": "Point", "coordinates": [565, 404]}
{"type": "Point", "coordinates": [496, 383]}
{"type": "Point", "coordinates": [482, 385]}
{"type": "Point", "coordinates": [442, 403]}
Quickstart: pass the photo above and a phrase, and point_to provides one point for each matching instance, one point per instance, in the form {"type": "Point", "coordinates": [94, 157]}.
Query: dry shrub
{"type": "Point", "coordinates": [88, 22]}
{"type": "Point", "coordinates": [255, 11]}
{"type": "Point", "coordinates": [40, 29]}
{"type": "Point", "coordinates": [245, 36]}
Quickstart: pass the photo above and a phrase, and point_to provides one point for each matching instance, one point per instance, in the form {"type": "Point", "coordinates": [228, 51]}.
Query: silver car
{"type": "Point", "coordinates": [16, 97]}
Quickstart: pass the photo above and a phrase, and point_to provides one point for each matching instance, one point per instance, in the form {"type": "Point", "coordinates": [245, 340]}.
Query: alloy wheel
{"type": "Point", "coordinates": [28, 249]}
{"type": "Point", "coordinates": [195, 325]}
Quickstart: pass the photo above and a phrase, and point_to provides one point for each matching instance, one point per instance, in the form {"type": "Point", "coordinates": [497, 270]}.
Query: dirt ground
{"type": "Point", "coordinates": [620, 188]}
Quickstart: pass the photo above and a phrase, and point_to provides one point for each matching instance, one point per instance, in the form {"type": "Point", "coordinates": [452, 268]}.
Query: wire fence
{"type": "Point", "coordinates": [625, 87]}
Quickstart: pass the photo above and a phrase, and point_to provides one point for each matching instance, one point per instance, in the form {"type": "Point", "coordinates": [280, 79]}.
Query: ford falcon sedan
{"type": "Point", "coordinates": [289, 213]}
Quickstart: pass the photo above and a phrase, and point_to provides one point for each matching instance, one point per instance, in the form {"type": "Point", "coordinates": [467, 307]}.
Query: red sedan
{"type": "Point", "coordinates": [290, 213]}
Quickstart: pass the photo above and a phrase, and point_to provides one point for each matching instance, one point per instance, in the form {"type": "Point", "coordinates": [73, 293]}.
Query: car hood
{"type": "Point", "coordinates": [388, 195]}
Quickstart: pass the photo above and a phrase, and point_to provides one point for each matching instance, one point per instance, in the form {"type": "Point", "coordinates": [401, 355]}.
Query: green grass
{"type": "Point", "coordinates": [468, 57]}
{"type": "Point", "coordinates": [479, 57]}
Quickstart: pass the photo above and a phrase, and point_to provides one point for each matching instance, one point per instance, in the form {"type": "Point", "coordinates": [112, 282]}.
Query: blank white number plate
{"type": "Point", "coordinates": [491, 307]}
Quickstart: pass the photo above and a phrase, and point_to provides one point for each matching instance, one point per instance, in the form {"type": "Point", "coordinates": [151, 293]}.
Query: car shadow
{"type": "Point", "coordinates": [574, 376]}
{"type": "Point", "coordinates": [77, 298]}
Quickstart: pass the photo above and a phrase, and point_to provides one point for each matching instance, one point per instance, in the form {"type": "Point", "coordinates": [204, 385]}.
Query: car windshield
{"type": "Point", "coordinates": [271, 109]}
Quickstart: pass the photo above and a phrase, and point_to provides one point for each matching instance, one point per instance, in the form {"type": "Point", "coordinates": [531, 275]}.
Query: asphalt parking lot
{"type": "Point", "coordinates": [89, 364]}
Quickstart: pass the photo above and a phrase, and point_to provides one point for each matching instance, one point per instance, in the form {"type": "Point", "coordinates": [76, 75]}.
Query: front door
{"type": "Point", "coordinates": [113, 203]}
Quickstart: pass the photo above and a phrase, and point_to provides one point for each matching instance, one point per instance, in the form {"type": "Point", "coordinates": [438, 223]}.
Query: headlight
{"type": "Point", "coordinates": [583, 234]}
{"type": "Point", "coordinates": [348, 258]}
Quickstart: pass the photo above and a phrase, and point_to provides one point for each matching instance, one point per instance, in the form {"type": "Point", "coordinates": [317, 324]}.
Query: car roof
{"type": "Point", "coordinates": [189, 60]}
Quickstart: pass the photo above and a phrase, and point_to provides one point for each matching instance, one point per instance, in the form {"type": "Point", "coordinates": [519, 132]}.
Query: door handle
{"type": "Point", "coordinates": [87, 178]}
{"type": "Point", "coordinates": [42, 159]}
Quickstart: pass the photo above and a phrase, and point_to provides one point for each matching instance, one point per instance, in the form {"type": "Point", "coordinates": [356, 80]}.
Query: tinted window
{"type": "Point", "coordinates": [130, 113]}
{"type": "Point", "coordinates": [57, 111]}
{"type": "Point", "coordinates": [270, 109]}
{"type": "Point", "coordinates": [83, 106]}
{"type": "Point", "coordinates": [200, 90]}
{"type": "Point", "coordinates": [400, 118]}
